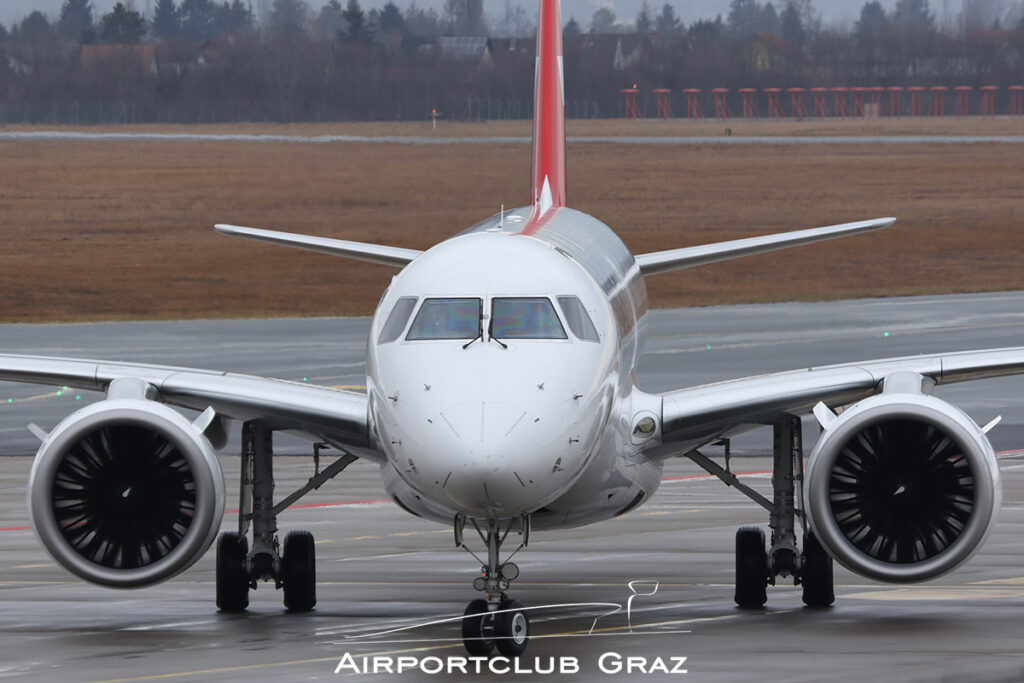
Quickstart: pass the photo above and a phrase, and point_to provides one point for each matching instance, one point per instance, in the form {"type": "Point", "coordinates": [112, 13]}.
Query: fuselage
{"type": "Point", "coordinates": [500, 374]}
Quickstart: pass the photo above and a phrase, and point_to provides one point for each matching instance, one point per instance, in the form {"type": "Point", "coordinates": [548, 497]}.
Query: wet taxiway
{"type": "Point", "coordinates": [381, 569]}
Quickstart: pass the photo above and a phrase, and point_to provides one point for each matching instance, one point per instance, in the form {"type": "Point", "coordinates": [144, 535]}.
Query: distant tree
{"type": "Point", "coordinates": [166, 20]}
{"type": "Point", "coordinates": [391, 19]}
{"type": "Point", "coordinates": [744, 18]}
{"type": "Point", "coordinates": [667, 22]}
{"type": "Point", "coordinates": [3, 33]}
{"type": "Point", "coordinates": [75, 20]}
{"type": "Point", "coordinates": [232, 17]}
{"type": "Point", "coordinates": [198, 19]}
{"type": "Point", "coordinates": [792, 26]}
{"type": "Point", "coordinates": [572, 28]}
{"type": "Point", "coordinates": [603, 21]}
{"type": "Point", "coordinates": [514, 22]}
{"type": "Point", "coordinates": [35, 30]}
{"type": "Point", "coordinates": [419, 22]}
{"type": "Point", "coordinates": [913, 14]}
{"type": "Point", "coordinates": [769, 20]}
{"type": "Point", "coordinates": [359, 29]}
{"type": "Point", "coordinates": [707, 29]}
{"type": "Point", "coordinates": [289, 16]}
{"type": "Point", "coordinates": [122, 26]}
{"type": "Point", "coordinates": [330, 22]}
{"type": "Point", "coordinates": [465, 17]}
{"type": "Point", "coordinates": [644, 23]}
{"type": "Point", "coordinates": [872, 22]}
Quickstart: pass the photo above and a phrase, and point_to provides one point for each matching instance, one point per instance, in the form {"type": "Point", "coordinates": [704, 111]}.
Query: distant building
{"type": "Point", "coordinates": [465, 49]}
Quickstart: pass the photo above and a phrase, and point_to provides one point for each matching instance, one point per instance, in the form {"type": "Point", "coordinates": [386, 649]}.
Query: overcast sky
{"type": "Point", "coordinates": [831, 11]}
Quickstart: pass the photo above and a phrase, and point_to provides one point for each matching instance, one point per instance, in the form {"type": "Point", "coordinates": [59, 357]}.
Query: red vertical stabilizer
{"type": "Point", "coordinates": [548, 181]}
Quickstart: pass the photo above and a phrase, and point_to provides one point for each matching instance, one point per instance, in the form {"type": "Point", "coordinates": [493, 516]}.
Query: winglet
{"type": "Point", "coordinates": [547, 189]}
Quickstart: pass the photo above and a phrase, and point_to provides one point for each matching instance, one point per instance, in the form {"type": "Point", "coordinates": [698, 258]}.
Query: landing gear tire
{"type": "Point", "coordinates": [476, 631]}
{"type": "Point", "coordinates": [232, 578]}
{"type": "Point", "coordinates": [817, 574]}
{"type": "Point", "coordinates": [751, 568]}
{"type": "Point", "coordinates": [511, 628]}
{"type": "Point", "coordinates": [298, 571]}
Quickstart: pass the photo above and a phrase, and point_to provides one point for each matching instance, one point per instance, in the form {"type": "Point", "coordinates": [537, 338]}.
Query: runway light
{"type": "Point", "coordinates": [709, 347]}
{"type": "Point", "coordinates": [305, 379]}
{"type": "Point", "coordinates": [886, 334]}
{"type": "Point", "coordinates": [59, 393]}
{"type": "Point", "coordinates": [78, 397]}
{"type": "Point", "coordinates": [10, 400]}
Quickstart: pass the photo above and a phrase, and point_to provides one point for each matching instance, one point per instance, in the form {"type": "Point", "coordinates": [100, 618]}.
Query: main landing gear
{"type": "Point", "coordinates": [757, 567]}
{"type": "Point", "coordinates": [292, 568]}
{"type": "Point", "coordinates": [496, 621]}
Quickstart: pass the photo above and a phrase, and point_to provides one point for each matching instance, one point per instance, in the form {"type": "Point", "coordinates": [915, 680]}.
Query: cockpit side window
{"type": "Point", "coordinates": [525, 318]}
{"type": "Point", "coordinates": [447, 319]}
{"type": "Point", "coordinates": [397, 319]}
{"type": "Point", "coordinates": [578, 319]}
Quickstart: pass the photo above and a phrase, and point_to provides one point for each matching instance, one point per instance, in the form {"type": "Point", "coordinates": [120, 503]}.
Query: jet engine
{"type": "Point", "coordinates": [126, 493]}
{"type": "Point", "coordinates": [901, 487]}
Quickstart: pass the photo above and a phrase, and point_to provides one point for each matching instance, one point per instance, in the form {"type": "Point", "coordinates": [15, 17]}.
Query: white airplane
{"type": "Point", "coordinates": [501, 394]}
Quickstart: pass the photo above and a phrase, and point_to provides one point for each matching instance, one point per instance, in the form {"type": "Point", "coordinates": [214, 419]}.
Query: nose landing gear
{"type": "Point", "coordinates": [496, 621]}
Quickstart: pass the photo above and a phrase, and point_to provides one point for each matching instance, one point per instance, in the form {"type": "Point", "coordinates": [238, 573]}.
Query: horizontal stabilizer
{"type": "Point", "coordinates": [361, 251]}
{"type": "Point", "coordinates": [689, 257]}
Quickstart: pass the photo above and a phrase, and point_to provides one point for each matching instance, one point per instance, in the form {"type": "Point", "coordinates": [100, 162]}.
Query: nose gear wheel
{"type": "Point", "coordinates": [497, 621]}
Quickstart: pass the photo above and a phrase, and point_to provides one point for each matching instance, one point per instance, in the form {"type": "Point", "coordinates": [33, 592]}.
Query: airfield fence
{"type": "Point", "coordinates": [769, 103]}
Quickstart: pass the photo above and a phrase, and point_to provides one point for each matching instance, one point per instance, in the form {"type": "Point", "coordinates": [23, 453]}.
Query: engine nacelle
{"type": "Point", "coordinates": [126, 493]}
{"type": "Point", "coordinates": [902, 487]}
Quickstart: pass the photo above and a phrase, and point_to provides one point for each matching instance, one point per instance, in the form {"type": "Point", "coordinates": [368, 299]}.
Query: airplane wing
{"type": "Point", "coordinates": [360, 251]}
{"type": "Point", "coordinates": [689, 257]}
{"type": "Point", "coordinates": [697, 415]}
{"type": "Point", "coordinates": [321, 413]}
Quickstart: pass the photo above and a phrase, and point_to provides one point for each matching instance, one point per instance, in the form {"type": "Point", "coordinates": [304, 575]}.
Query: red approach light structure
{"type": "Point", "coordinates": [774, 111]}
{"type": "Point", "coordinates": [916, 96]}
{"type": "Point", "coordinates": [819, 102]}
{"type": "Point", "coordinates": [963, 93]}
{"type": "Point", "coordinates": [839, 102]}
{"type": "Point", "coordinates": [939, 100]}
{"type": "Point", "coordinates": [632, 110]}
{"type": "Point", "coordinates": [664, 106]}
{"type": "Point", "coordinates": [858, 101]}
{"type": "Point", "coordinates": [749, 110]}
{"type": "Point", "coordinates": [721, 106]}
{"type": "Point", "coordinates": [692, 103]}
{"type": "Point", "coordinates": [1016, 100]}
{"type": "Point", "coordinates": [876, 100]}
{"type": "Point", "coordinates": [796, 102]}
{"type": "Point", "coordinates": [988, 99]}
{"type": "Point", "coordinates": [895, 100]}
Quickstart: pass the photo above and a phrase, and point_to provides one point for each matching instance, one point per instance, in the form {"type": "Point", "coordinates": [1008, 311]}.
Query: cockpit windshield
{"type": "Point", "coordinates": [525, 318]}
{"type": "Point", "coordinates": [447, 319]}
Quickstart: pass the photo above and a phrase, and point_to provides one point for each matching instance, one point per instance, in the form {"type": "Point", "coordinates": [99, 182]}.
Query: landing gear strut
{"type": "Point", "coordinates": [294, 569]}
{"type": "Point", "coordinates": [757, 567]}
{"type": "Point", "coordinates": [496, 621]}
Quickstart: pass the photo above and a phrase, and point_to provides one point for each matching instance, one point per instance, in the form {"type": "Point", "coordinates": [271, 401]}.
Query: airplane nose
{"type": "Point", "coordinates": [499, 459]}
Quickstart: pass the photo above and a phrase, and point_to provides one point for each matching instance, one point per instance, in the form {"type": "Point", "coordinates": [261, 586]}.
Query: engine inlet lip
{"type": "Point", "coordinates": [205, 470]}
{"type": "Point", "coordinates": [960, 428]}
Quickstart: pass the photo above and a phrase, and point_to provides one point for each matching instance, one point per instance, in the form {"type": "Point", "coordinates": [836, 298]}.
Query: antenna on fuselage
{"type": "Point", "coordinates": [502, 223]}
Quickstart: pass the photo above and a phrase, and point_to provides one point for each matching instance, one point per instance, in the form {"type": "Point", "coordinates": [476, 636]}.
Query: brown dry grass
{"type": "Point", "coordinates": [100, 230]}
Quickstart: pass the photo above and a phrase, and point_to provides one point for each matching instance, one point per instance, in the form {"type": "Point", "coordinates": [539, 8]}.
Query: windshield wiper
{"type": "Point", "coordinates": [490, 336]}
{"type": "Point", "coordinates": [478, 336]}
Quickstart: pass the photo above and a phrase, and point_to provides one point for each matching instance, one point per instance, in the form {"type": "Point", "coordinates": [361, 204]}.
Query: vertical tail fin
{"type": "Point", "coordinates": [548, 182]}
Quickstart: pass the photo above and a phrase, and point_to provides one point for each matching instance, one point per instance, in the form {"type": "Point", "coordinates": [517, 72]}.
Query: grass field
{"type": "Point", "coordinates": [123, 230]}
